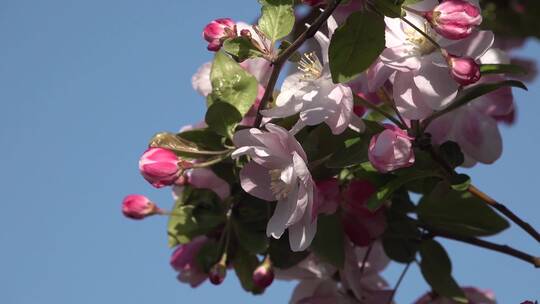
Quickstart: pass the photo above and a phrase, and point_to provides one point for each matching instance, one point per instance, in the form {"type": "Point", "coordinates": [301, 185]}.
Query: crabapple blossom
{"type": "Point", "coordinates": [278, 172]}
{"type": "Point", "coordinates": [161, 167]}
{"type": "Point", "coordinates": [312, 94]}
{"type": "Point", "coordinates": [183, 260]}
{"type": "Point", "coordinates": [217, 31]}
{"type": "Point", "coordinates": [473, 294]}
{"type": "Point", "coordinates": [454, 19]}
{"type": "Point", "coordinates": [391, 149]}
{"type": "Point", "coordinates": [137, 207]}
{"type": "Point", "coordinates": [474, 125]}
{"type": "Point", "coordinates": [422, 79]}
{"type": "Point", "coordinates": [328, 196]}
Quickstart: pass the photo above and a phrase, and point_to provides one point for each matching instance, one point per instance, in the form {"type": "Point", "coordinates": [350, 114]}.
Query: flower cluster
{"type": "Point", "coordinates": [313, 182]}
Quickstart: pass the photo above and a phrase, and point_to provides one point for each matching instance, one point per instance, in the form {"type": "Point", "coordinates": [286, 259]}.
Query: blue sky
{"type": "Point", "coordinates": [85, 84]}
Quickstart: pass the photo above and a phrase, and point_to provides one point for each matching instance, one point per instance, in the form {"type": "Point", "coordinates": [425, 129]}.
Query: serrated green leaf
{"type": "Point", "coordinates": [437, 268]}
{"type": "Point", "coordinates": [232, 84]}
{"type": "Point", "coordinates": [277, 18]}
{"type": "Point", "coordinates": [355, 45]}
{"type": "Point", "coordinates": [459, 212]}
{"type": "Point", "coordinates": [222, 118]}
{"type": "Point", "coordinates": [203, 138]}
{"type": "Point", "coordinates": [241, 48]}
{"type": "Point", "coordinates": [512, 69]}
{"type": "Point", "coordinates": [389, 8]}
{"type": "Point", "coordinates": [329, 242]}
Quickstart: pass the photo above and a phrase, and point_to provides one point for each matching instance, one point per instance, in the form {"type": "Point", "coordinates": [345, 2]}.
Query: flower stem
{"type": "Point", "coordinates": [373, 107]}
{"type": "Point", "coordinates": [399, 282]}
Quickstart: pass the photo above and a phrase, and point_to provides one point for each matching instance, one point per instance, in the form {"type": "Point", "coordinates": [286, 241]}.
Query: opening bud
{"type": "Point", "coordinates": [138, 207]}
{"type": "Point", "coordinates": [263, 276]}
{"type": "Point", "coordinates": [464, 70]}
{"type": "Point", "coordinates": [217, 31]}
{"type": "Point", "coordinates": [454, 19]}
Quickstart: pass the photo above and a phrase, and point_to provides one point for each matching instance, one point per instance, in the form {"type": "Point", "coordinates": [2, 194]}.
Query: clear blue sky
{"type": "Point", "coordinates": [84, 85]}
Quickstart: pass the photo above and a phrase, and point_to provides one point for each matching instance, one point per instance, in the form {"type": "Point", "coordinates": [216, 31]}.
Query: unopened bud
{"type": "Point", "coordinates": [217, 273]}
{"type": "Point", "coordinates": [464, 70]}
{"type": "Point", "coordinates": [263, 276]}
{"type": "Point", "coordinates": [217, 31]}
{"type": "Point", "coordinates": [161, 167]}
{"type": "Point", "coordinates": [137, 207]}
{"type": "Point", "coordinates": [454, 19]}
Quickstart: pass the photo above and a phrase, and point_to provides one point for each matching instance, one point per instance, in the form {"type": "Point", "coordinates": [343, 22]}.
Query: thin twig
{"type": "Point", "coordinates": [375, 108]}
{"type": "Point", "coordinates": [505, 249]}
{"type": "Point", "coordinates": [504, 210]}
{"type": "Point", "coordinates": [489, 200]}
{"type": "Point", "coordinates": [398, 283]}
{"type": "Point", "coordinates": [428, 37]}
{"type": "Point", "coordinates": [282, 58]}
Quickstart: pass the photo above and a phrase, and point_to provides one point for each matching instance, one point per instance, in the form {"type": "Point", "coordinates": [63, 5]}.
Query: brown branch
{"type": "Point", "coordinates": [489, 200]}
{"type": "Point", "coordinates": [505, 249]}
{"type": "Point", "coordinates": [282, 58]}
{"type": "Point", "coordinates": [504, 210]}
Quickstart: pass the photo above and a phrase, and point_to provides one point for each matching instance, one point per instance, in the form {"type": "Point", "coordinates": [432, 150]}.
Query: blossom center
{"type": "Point", "coordinates": [422, 44]}
{"type": "Point", "coordinates": [311, 66]}
{"type": "Point", "coordinates": [279, 188]}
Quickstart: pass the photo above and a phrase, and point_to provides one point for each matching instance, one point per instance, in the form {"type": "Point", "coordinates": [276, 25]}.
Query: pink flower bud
{"type": "Point", "coordinates": [138, 207]}
{"type": "Point", "coordinates": [391, 149]}
{"type": "Point", "coordinates": [327, 198]}
{"type": "Point", "coordinates": [217, 31]}
{"type": "Point", "coordinates": [454, 19]}
{"type": "Point", "coordinates": [263, 276]}
{"type": "Point", "coordinates": [464, 70]}
{"type": "Point", "coordinates": [217, 273]}
{"type": "Point", "coordinates": [161, 167]}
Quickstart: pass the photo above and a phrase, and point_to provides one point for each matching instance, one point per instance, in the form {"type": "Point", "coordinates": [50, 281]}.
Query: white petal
{"type": "Point", "coordinates": [436, 85]}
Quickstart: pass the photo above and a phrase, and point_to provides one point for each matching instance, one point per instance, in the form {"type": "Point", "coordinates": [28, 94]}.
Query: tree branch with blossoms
{"type": "Point", "coordinates": [313, 182]}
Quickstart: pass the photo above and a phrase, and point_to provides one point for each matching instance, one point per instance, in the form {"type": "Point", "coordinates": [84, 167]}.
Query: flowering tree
{"type": "Point", "coordinates": [313, 182]}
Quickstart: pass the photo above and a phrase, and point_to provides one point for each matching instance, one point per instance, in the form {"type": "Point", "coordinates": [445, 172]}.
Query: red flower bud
{"type": "Point", "coordinates": [217, 273]}
{"type": "Point", "coordinates": [454, 19]}
{"type": "Point", "coordinates": [137, 207]}
{"type": "Point", "coordinates": [464, 70]}
{"type": "Point", "coordinates": [217, 31]}
{"type": "Point", "coordinates": [263, 276]}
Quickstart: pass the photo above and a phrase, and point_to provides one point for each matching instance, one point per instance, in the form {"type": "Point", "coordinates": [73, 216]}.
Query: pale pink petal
{"type": "Point", "coordinates": [473, 46]}
{"type": "Point", "coordinates": [408, 99]}
{"type": "Point", "coordinates": [436, 86]}
{"type": "Point", "coordinates": [255, 180]}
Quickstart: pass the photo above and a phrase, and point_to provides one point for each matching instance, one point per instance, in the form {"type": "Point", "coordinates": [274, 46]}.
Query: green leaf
{"type": "Point", "coordinates": [197, 212]}
{"type": "Point", "coordinates": [232, 84]}
{"type": "Point", "coordinates": [329, 242]}
{"type": "Point", "coordinates": [250, 217]}
{"type": "Point", "coordinates": [355, 45]}
{"type": "Point", "coordinates": [389, 8]}
{"type": "Point", "coordinates": [281, 254]}
{"type": "Point", "coordinates": [401, 239]}
{"type": "Point", "coordinates": [277, 19]}
{"type": "Point", "coordinates": [204, 139]}
{"type": "Point", "coordinates": [385, 192]}
{"type": "Point", "coordinates": [459, 212]}
{"type": "Point", "coordinates": [437, 270]}
{"type": "Point", "coordinates": [451, 153]}
{"type": "Point", "coordinates": [486, 69]}
{"type": "Point", "coordinates": [244, 266]}
{"type": "Point", "coordinates": [460, 182]}
{"type": "Point", "coordinates": [474, 92]}
{"type": "Point", "coordinates": [241, 48]}
{"type": "Point", "coordinates": [222, 118]}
